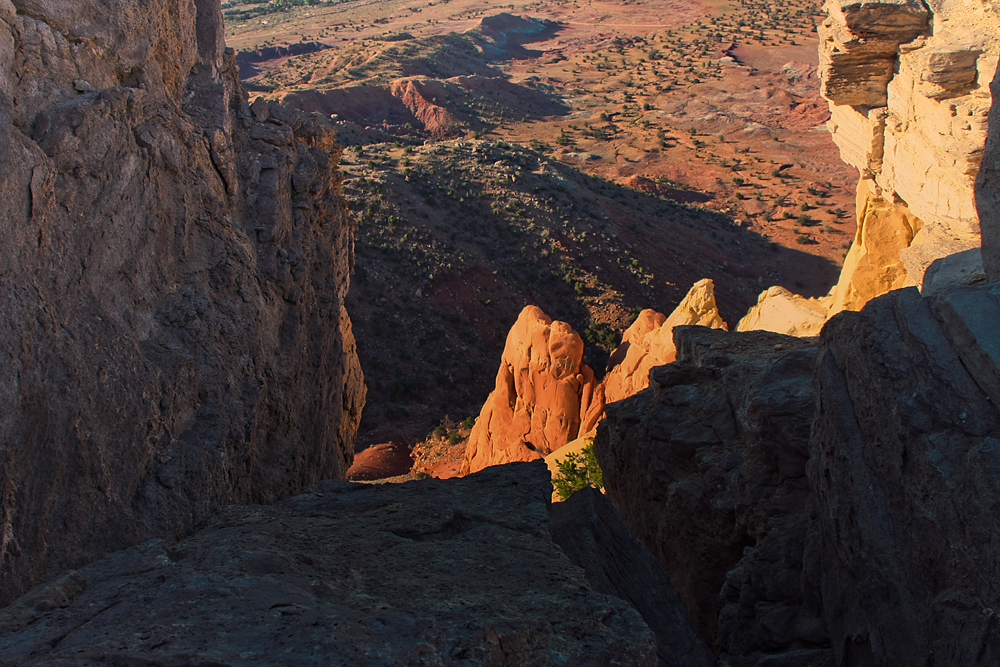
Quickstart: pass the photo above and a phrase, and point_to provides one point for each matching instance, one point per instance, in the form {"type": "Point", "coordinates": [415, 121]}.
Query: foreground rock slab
{"type": "Point", "coordinates": [456, 572]}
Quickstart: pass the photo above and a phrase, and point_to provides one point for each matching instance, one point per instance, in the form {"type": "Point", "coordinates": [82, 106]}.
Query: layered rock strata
{"type": "Point", "coordinates": [174, 272]}
{"type": "Point", "coordinates": [908, 86]}
{"type": "Point", "coordinates": [909, 96]}
{"type": "Point", "coordinates": [438, 572]}
{"type": "Point", "coordinates": [826, 501]}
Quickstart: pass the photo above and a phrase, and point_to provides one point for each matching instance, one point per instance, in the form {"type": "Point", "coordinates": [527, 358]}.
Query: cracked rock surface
{"type": "Point", "coordinates": [173, 277]}
{"type": "Point", "coordinates": [436, 572]}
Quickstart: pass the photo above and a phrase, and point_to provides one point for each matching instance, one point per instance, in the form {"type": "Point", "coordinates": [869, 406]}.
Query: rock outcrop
{"type": "Point", "coordinates": [826, 501]}
{"type": "Point", "coordinates": [708, 467]}
{"type": "Point", "coordinates": [780, 311]}
{"type": "Point", "coordinates": [445, 572]}
{"type": "Point", "coordinates": [649, 341]}
{"type": "Point", "coordinates": [174, 272]}
{"type": "Point", "coordinates": [908, 88]}
{"type": "Point", "coordinates": [545, 398]}
{"type": "Point", "coordinates": [904, 463]}
{"type": "Point", "coordinates": [538, 404]}
{"type": "Point", "coordinates": [988, 191]}
{"type": "Point", "coordinates": [872, 266]}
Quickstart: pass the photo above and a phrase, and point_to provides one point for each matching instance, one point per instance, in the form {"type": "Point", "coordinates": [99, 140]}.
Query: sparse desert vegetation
{"type": "Point", "coordinates": [591, 158]}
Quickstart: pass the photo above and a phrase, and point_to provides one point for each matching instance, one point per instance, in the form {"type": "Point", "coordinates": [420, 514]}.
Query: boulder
{"type": "Point", "coordinates": [446, 572]}
{"type": "Point", "coordinates": [535, 407]}
{"type": "Point", "coordinates": [381, 461]}
{"type": "Point", "coordinates": [173, 277]}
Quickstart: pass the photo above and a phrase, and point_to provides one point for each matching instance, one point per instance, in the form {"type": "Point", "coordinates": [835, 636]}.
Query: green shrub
{"type": "Point", "coordinates": [577, 471]}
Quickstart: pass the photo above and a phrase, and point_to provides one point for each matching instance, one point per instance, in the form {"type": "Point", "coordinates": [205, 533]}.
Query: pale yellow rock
{"type": "Point", "coordinates": [573, 447]}
{"type": "Point", "coordinates": [649, 341]}
{"type": "Point", "coordinates": [860, 135]}
{"type": "Point", "coordinates": [780, 311]}
{"type": "Point", "coordinates": [872, 267]}
{"type": "Point", "coordinates": [909, 109]}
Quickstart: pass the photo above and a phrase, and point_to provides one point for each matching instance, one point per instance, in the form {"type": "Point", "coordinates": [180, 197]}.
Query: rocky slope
{"type": "Point", "coordinates": [174, 274]}
{"type": "Point", "coordinates": [456, 572]}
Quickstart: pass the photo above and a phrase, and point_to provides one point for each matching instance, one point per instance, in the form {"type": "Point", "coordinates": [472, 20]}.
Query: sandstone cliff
{"type": "Point", "coordinates": [909, 96]}
{"type": "Point", "coordinates": [908, 86]}
{"type": "Point", "coordinates": [174, 272]}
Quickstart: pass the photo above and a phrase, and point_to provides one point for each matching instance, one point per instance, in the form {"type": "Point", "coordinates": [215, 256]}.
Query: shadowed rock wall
{"type": "Point", "coordinates": [826, 505]}
{"type": "Point", "coordinates": [173, 276]}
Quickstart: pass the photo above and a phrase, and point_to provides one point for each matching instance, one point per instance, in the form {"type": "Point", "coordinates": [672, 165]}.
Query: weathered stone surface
{"type": "Point", "coordinates": [909, 109]}
{"type": "Point", "coordinates": [904, 469]}
{"type": "Point", "coordinates": [590, 531]}
{"type": "Point", "coordinates": [174, 337]}
{"type": "Point", "coordinates": [540, 387]}
{"type": "Point", "coordinates": [832, 508]}
{"type": "Point", "coordinates": [859, 43]}
{"type": "Point", "coordinates": [649, 341]}
{"type": "Point", "coordinates": [707, 467]}
{"type": "Point", "coordinates": [780, 311]}
{"type": "Point", "coordinates": [438, 572]}
{"type": "Point", "coordinates": [872, 266]}
{"type": "Point", "coordinates": [988, 191]}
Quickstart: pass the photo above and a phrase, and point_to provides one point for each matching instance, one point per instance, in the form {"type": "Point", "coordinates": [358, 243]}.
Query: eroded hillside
{"type": "Point", "coordinates": [593, 161]}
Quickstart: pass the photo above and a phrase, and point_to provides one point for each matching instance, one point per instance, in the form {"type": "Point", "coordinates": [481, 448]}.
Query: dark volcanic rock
{"type": "Point", "coordinates": [173, 277]}
{"type": "Point", "coordinates": [707, 467]}
{"type": "Point", "coordinates": [590, 531]}
{"type": "Point", "coordinates": [438, 572]}
{"type": "Point", "coordinates": [906, 472]}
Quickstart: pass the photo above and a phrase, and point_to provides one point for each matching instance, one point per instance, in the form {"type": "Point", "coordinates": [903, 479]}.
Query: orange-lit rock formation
{"type": "Point", "coordinates": [650, 341]}
{"type": "Point", "coordinates": [545, 397]}
{"type": "Point", "coordinates": [535, 407]}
